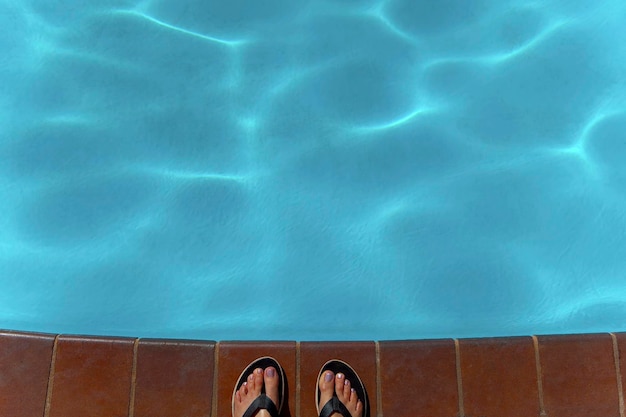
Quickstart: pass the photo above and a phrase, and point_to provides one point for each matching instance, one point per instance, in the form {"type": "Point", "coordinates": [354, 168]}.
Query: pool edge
{"type": "Point", "coordinates": [546, 375]}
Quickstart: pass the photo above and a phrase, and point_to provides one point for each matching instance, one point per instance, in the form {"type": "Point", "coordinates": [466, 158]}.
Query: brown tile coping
{"type": "Point", "coordinates": [419, 378]}
{"type": "Point", "coordinates": [24, 373]}
{"type": "Point", "coordinates": [91, 377]}
{"type": "Point", "coordinates": [173, 378]}
{"type": "Point", "coordinates": [579, 375]}
{"type": "Point", "coordinates": [313, 355]}
{"type": "Point", "coordinates": [233, 357]}
{"type": "Point", "coordinates": [499, 377]}
{"type": "Point", "coordinates": [67, 376]}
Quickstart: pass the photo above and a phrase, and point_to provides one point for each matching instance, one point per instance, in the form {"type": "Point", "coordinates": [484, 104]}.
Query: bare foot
{"type": "Point", "coordinates": [338, 384]}
{"type": "Point", "coordinates": [251, 389]}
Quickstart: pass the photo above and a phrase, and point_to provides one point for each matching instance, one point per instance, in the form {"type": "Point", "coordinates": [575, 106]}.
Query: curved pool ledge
{"type": "Point", "coordinates": [554, 375]}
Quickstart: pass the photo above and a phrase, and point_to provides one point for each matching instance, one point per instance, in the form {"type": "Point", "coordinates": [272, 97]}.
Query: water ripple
{"type": "Point", "coordinates": [230, 43]}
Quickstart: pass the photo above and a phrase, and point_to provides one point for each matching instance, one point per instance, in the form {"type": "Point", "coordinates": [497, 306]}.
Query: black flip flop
{"type": "Point", "coordinates": [262, 402]}
{"type": "Point", "coordinates": [334, 405]}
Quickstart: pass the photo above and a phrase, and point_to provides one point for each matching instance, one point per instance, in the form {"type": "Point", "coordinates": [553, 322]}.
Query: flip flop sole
{"type": "Point", "coordinates": [262, 362]}
{"type": "Point", "coordinates": [339, 366]}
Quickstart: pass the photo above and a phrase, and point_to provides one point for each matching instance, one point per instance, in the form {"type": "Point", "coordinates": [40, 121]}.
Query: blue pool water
{"type": "Point", "coordinates": [313, 169]}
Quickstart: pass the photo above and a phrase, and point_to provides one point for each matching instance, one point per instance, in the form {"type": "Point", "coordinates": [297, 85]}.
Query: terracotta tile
{"type": "Point", "coordinates": [621, 345]}
{"type": "Point", "coordinates": [174, 378]}
{"type": "Point", "coordinates": [313, 355]}
{"type": "Point", "coordinates": [499, 377]}
{"type": "Point", "coordinates": [92, 377]}
{"type": "Point", "coordinates": [422, 371]}
{"type": "Point", "coordinates": [579, 377]}
{"type": "Point", "coordinates": [24, 370]}
{"type": "Point", "coordinates": [233, 357]}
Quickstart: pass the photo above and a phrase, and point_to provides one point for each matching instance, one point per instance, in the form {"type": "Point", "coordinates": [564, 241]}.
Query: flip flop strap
{"type": "Point", "coordinates": [334, 405]}
{"type": "Point", "coordinates": [262, 402]}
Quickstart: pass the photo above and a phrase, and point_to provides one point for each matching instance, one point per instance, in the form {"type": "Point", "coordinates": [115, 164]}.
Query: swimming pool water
{"type": "Point", "coordinates": [313, 169]}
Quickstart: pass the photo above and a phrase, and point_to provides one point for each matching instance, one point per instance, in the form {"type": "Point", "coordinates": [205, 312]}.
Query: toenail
{"type": "Point", "coordinates": [258, 371]}
{"type": "Point", "coordinates": [245, 383]}
{"type": "Point", "coordinates": [352, 390]}
{"type": "Point", "coordinates": [328, 377]}
{"type": "Point", "coordinates": [271, 372]}
{"type": "Point", "coordinates": [339, 376]}
{"type": "Point", "coordinates": [346, 382]}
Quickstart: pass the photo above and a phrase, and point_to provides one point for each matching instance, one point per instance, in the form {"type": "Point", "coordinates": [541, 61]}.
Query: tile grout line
{"type": "Point", "coordinates": [459, 378]}
{"type": "Point", "coordinates": [618, 373]}
{"type": "Point", "coordinates": [53, 359]}
{"type": "Point", "coordinates": [297, 379]}
{"type": "Point", "coordinates": [379, 387]}
{"type": "Point", "coordinates": [542, 408]}
{"type": "Point", "coordinates": [216, 356]}
{"type": "Point", "coordinates": [133, 380]}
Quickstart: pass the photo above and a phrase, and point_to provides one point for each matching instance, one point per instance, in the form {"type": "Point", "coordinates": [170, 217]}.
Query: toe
{"type": "Point", "coordinates": [327, 387]}
{"type": "Point", "coordinates": [327, 383]}
{"type": "Point", "coordinates": [346, 389]}
{"type": "Point", "coordinates": [271, 384]}
{"type": "Point", "coordinates": [353, 397]}
{"type": "Point", "coordinates": [242, 400]}
{"type": "Point", "coordinates": [257, 381]}
{"type": "Point", "coordinates": [339, 385]}
{"type": "Point", "coordinates": [359, 408]}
